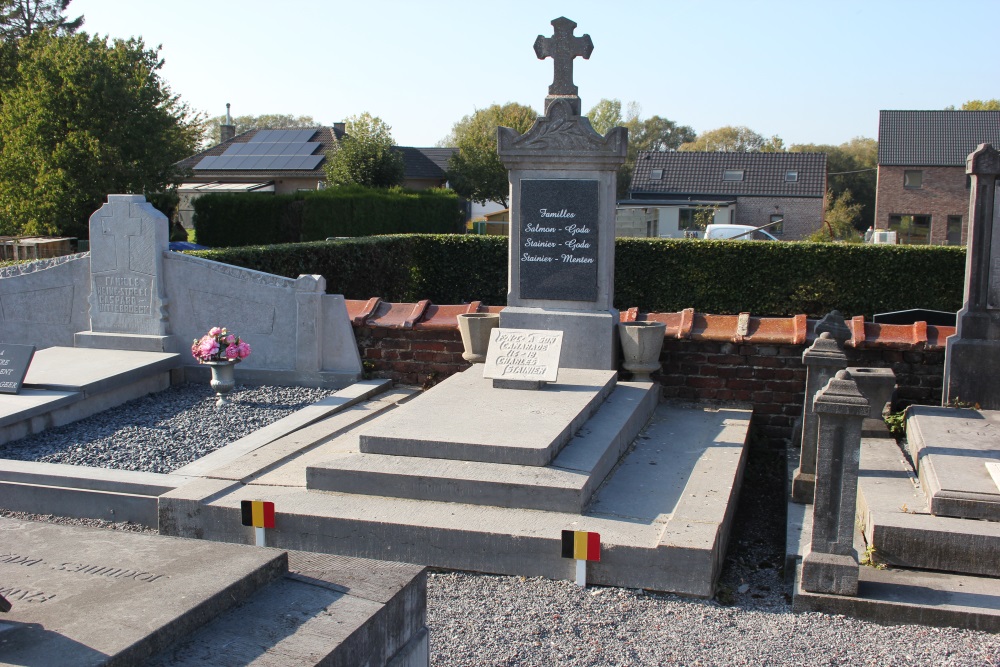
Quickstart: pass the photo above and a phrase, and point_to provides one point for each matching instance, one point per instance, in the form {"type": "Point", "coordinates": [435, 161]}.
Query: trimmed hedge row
{"type": "Point", "coordinates": [656, 275]}
{"type": "Point", "coordinates": [240, 219]}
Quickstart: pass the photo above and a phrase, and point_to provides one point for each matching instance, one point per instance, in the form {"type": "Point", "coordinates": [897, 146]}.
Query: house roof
{"type": "Point", "coordinates": [697, 173]}
{"type": "Point", "coordinates": [419, 163]}
{"type": "Point", "coordinates": [426, 163]}
{"type": "Point", "coordinates": [934, 138]}
{"type": "Point", "coordinates": [326, 137]}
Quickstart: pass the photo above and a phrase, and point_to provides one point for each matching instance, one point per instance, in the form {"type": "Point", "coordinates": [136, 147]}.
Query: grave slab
{"type": "Point", "coordinates": [465, 418]}
{"type": "Point", "coordinates": [564, 486]}
{"type": "Point", "coordinates": [950, 448]}
{"type": "Point", "coordinates": [93, 597]}
{"type": "Point", "coordinates": [94, 371]}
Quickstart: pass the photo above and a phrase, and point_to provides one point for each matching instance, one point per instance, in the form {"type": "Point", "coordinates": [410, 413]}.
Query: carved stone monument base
{"type": "Point", "coordinates": [589, 337]}
{"type": "Point", "coordinates": [830, 573]}
{"type": "Point", "coordinates": [134, 342]}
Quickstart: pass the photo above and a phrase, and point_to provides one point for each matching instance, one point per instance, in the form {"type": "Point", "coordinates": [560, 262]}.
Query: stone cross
{"type": "Point", "coordinates": [563, 47]}
{"type": "Point", "coordinates": [123, 243]}
{"type": "Point", "coordinates": [831, 563]}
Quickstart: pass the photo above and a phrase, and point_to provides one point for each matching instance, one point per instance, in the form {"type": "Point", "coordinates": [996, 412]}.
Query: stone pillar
{"type": "Point", "coordinates": [822, 359]}
{"type": "Point", "coordinates": [972, 354]}
{"type": "Point", "coordinates": [309, 291]}
{"type": "Point", "coordinates": [831, 563]}
{"type": "Point", "coordinates": [877, 386]}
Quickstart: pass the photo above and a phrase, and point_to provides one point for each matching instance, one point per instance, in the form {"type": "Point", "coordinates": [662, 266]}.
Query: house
{"type": "Point", "coordinates": [673, 194]}
{"type": "Point", "coordinates": [284, 161]}
{"type": "Point", "coordinates": [923, 192]}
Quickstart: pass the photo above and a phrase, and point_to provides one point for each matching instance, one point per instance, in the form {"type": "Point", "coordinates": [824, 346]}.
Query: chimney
{"type": "Point", "coordinates": [227, 129]}
{"type": "Point", "coordinates": [339, 130]}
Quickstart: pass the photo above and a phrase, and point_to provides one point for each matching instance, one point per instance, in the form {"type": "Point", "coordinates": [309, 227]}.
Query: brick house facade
{"type": "Point", "coordinates": [922, 191]}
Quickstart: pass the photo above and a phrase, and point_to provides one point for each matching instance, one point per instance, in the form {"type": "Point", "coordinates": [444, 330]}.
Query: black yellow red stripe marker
{"type": "Point", "coordinates": [259, 514]}
{"type": "Point", "coordinates": [582, 546]}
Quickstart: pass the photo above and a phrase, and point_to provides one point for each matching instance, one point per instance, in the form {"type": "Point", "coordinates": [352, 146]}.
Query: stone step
{"type": "Point", "coordinates": [895, 517]}
{"type": "Point", "coordinates": [466, 419]}
{"type": "Point", "coordinates": [564, 486]}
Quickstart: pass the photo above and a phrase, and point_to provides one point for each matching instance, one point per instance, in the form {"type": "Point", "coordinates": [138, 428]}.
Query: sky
{"type": "Point", "coordinates": [809, 71]}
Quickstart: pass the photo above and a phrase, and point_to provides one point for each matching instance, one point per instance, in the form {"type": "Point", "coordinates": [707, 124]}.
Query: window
{"type": "Point", "coordinates": [685, 218]}
{"type": "Point", "coordinates": [655, 174]}
{"type": "Point", "coordinates": [779, 228]}
{"type": "Point", "coordinates": [913, 178]}
{"type": "Point", "coordinates": [954, 230]}
{"type": "Point", "coordinates": [911, 229]}
{"type": "Point", "coordinates": [732, 175]}
{"type": "Point", "coordinates": [791, 176]}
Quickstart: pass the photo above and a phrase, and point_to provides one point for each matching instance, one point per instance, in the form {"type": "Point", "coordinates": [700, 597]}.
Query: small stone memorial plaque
{"type": "Point", "coordinates": [559, 235]}
{"type": "Point", "coordinates": [14, 362]}
{"type": "Point", "coordinates": [523, 354]}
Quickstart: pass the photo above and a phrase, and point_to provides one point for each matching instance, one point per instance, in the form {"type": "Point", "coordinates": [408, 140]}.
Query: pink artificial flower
{"type": "Point", "coordinates": [215, 331]}
{"type": "Point", "coordinates": [208, 347]}
{"type": "Point", "coordinates": [232, 352]}
{"type": "Point", "coordinates": [244, 349]}
{"type": "Point", "coordinates": [230, 339]}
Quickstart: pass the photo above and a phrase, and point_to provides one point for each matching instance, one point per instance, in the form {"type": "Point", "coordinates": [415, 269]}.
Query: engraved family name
{"type": "Point", "coordinates": [523, 354]}
{"type": "Point", "coordinates": [119, 573]}
{"type": "Point", "coordinates": [123, 294]}
{"type": "Point", "coordinates": [558, 252]}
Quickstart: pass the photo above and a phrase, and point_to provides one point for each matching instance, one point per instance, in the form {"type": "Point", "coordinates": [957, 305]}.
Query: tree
{"type": "Point", "coordinates": [85, 117]}
{"type": "Point", "coordinates": [839, 220]}
{"type": "Point", "coordinates": [475, 170]}
{"type": "Point", "coordinates": [23, 18]}
{"type": "Point", "coordinates": [734, 139]}
{"type": "Point", "coordinates": [213, 133]}
{"type": "Point", "coordinates": [365, 155]}
{"type": "Point", "coordinates": [652, 134]}
{"type": "Point", "coordinates": [850, 167]}
{"type": "Point", "coordinates": [979, 105]}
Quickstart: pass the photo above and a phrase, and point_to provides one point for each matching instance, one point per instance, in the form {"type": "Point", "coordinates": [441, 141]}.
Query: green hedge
{"type": "Point", "coordinates": [656, 275]}
{"type": "Point", "coordinates": [241, 219]}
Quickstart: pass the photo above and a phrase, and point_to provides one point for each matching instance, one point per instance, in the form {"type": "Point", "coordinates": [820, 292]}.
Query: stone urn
{"type": "Point", "coordinates": [641, 345]}
{"type": "Point", "coordinates": [475, 329]}
{"type": "Point", "coordinates": [223, 379]}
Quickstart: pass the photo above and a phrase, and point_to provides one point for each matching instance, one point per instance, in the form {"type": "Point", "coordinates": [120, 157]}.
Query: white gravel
{"type": "Point", "coordinates": [164, 431]}
{"type": "Point", "coordinates": [482, 620]}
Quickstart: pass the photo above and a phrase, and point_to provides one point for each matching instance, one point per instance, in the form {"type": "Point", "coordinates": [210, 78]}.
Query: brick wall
{"type": "Point", "coordinates": [803, 215]}
{"type": "Point", "coordinates": [706, 358]}
{"type": "Point", "coordinates": [942, 193]}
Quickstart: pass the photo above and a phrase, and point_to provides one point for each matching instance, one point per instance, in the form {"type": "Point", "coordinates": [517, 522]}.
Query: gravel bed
{"type": "Point", "coordinates": [484, 620]}
{"type": "Point", "coordinates": [164, 431]}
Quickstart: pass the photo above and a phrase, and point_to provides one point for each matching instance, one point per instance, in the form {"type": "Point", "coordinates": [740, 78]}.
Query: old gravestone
{"type": "Point", "coordinates": [562, 237]}
{"type": "Point", "coordinates": [972, 354]}
{"type": "Point", "coordinates": [127, 303]}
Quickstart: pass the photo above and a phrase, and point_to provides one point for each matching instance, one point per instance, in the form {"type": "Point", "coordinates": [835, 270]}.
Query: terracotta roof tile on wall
{"type": "Point", "coordinates": [934, 138]}
{"type": "Point", "coordinates": [697, 173]}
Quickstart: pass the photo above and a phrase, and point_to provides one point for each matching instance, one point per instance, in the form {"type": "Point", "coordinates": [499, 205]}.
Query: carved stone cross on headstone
{"type": "Point", "coordinates": [563, 47]}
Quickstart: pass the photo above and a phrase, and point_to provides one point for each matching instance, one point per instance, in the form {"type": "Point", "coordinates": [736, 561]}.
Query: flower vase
{"type": "Point", "coordinates": [475, 329]}
{"type": "Point", "coordinates": [641, 345]}
{"type": "Point", "coordinates": [223, 379]}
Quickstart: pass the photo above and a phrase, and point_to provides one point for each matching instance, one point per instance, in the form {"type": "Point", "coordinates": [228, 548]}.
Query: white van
{"type": "Point", "coordinates": [737, 233]}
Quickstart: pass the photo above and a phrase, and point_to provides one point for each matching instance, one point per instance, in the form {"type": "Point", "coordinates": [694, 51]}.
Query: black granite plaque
{"type": "Point", "coordinates": [14, 362]}
{"type": "Point", "coordinates": [559, 234]}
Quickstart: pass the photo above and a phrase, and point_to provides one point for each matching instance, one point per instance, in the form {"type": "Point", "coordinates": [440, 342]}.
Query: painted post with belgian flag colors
{"type": "Point", "coordinates": [582, 546]}
{"type": "Point", "coordinates": [259, 514]}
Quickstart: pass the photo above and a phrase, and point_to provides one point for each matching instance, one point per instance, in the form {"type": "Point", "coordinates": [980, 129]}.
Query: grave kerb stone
{"type": "Point", "coordinates": [972, 354]}
{"type": "Point", "coordinates": [822, 360]}
{"type": "Point", "coordinates": [831, 563]}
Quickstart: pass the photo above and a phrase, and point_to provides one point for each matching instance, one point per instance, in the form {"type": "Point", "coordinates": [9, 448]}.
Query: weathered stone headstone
{"type": "Point", "coordinates": [127, 302]}
{"type": "Point", "coordinates": [831, 563]}
{"type": "Point", "coordinates": [523, 359]}
{"type": "Point", "coordinates": [972, 354]}
{"type": "Point", "coordinates": [563, 194]}
{"type": "Point", "coordinates": [822, 359]}
{"type": "Point", "coordinates": [14, 362]}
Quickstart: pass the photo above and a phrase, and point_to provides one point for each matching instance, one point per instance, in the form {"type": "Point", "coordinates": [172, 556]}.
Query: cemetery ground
{"type": "Point", "coordinates": [478, 619]}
